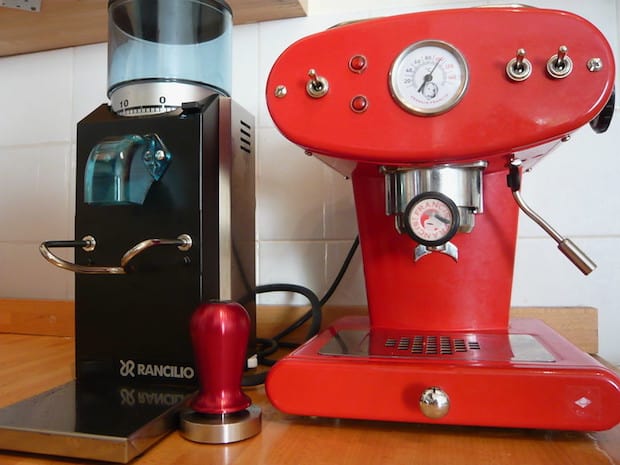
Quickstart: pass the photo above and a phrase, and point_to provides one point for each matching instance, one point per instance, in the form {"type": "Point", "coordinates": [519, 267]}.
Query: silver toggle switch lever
{"type": "Point", "coordinates": [560, 65]}
{"type": "Point", "coordinates": [519, 68]}
{"type": "Point", "coordinates": [317, 86]}
{"type": "Point", "coordinates": [566, 246]}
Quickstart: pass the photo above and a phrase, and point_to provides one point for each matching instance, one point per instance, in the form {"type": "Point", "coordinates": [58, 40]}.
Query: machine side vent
{"type": "Point", "coordinates": [245, 139]}
{"type": "Point", "coordinates": [432, 345]}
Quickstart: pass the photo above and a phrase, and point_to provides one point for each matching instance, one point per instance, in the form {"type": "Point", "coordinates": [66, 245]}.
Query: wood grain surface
{"type": "Point", "coordinates": [49, 317]}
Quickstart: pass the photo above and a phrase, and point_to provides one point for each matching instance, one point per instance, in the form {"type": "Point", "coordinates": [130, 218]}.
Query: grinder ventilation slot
{"type": "Point", "coordinates": [245, 138]}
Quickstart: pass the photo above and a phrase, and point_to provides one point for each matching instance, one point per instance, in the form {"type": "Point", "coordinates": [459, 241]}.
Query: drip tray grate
{"type": "Point", "coordinates": [432, 345]}
{"type": "Point", "coordinates": [457, 346]}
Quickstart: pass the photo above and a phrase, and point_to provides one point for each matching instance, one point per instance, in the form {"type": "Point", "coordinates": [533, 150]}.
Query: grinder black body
{"type": "Point", "coordinates": [136, 283]}
{"type": "Point", "coordinates": [134, 326]}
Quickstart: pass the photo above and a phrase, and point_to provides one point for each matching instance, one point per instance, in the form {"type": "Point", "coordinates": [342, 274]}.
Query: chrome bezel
{"type": "Point", "coordinates": [452, 101]}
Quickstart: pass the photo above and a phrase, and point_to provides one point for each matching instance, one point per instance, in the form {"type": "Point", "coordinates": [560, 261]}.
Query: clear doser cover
{"type": "Point", "coordinates": [183, 40]}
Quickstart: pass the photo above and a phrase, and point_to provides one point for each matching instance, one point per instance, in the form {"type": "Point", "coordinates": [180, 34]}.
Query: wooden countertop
{"type": "Point", "coordinates": [32, 364]}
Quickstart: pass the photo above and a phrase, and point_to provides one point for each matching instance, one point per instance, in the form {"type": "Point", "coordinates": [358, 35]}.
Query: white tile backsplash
{"type": "Point", "coordinates": [245, 68]}
{"type": "Point", "coordinates": [35, 185]}
{"type": "Point", "coordinates": [305, 211]}
{"type": "Point", "coordinates": [339, 207]}
{"type": "Point", "coordinates": [36, 95]}
{"type": "Point", "coordinates": [544, 277]}
{"type": "Point", "coordinates": [351, 290]}
{"type": "Point", "coordinates": [90, 80]}
{"type": "Point", "coordinates": [290, 191]}
{"type": "Point", "coordinates": [570, 188]}
{"type": "Point", "coordinates": [295, 262]}
{"type": "Point", "coordinates": [25, 275]}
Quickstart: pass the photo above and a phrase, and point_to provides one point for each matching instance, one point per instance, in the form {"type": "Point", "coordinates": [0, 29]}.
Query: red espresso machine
{"type": "Point", "coordinates": [435, 116]}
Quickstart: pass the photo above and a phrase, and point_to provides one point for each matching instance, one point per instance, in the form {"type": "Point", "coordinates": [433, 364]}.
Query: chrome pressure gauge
{"type": "Point", "coordinates": [431, 219]}
{"type": "Point", "coordinates": [429, 77]}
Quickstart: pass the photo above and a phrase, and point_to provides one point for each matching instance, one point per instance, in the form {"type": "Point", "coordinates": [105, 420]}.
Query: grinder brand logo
{"type": "Point", "coordinates": [132, 397]}
{"type": "Point", "coordinates": [128, 368]}
{"type": "Point", "coordinates": [131, 369]}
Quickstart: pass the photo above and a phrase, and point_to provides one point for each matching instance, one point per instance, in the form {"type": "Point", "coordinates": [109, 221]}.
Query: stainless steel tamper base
{"type": "Point", "coordinates": [221, 429]}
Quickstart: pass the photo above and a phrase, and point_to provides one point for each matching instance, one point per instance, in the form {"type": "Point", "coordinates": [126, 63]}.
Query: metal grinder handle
{"type": "Point", "coordinates": [88, 243]}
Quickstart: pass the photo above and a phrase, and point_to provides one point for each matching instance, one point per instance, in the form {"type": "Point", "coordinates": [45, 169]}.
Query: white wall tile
{"type": "Point", "coordinates": [34, 184]}
{"type": "Point", "coordinates": [342, 6]}
{"type": "Point", "coordinates": [397, 7]}
{"type": "Point", "coordinates": [24, 274]}
{"type": "Point", "coordinates": [290, 197]}
{"type": "Point", "coordinates": [71, 192]}
{"type": "Point", "coordinates": [89, 80]}
{"type": "Point", "coordinates": [36, 95]}
{"type": "Point", "coordinates": [544, 277]}
{"type": "Point", "coordinates": [572, 187]}
{"type": "Point", "coordinates": [301, 263]}
{"type": "Point", "coordinates": [351, 290]}
{"type": "Point", "coordinates": [245, 67]}
{"type": "Point", "coordinates": [339, 205]}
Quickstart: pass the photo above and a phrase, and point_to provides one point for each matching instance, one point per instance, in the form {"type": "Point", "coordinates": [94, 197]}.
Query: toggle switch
{"type": "Point", "coordinates": [519, 68]}
{"type": "Point", "coordinates": [560, 65]}
{"type": "Point", "coordinates": [317, 86]}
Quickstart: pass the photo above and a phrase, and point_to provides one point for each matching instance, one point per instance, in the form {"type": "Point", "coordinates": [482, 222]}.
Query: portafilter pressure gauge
{"type": "Point", "coordinates": [431, 219]}
{"type": "Point", "coordinates": [429, 77]}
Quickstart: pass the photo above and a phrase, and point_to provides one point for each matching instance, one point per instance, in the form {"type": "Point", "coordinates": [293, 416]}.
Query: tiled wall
{"type": "Point", "coordinates": [305, 215]}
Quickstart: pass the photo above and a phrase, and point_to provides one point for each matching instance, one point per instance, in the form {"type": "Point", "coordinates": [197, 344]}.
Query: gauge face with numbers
{"type": "Point", "coordinates": [429, 77]}
{"type": "Point", "coordinates": [431, 218]}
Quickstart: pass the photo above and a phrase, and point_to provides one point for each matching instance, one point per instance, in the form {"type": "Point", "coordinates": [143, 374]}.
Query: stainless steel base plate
{"type": "Point", "coordinates": [112, 424]}
{"type": "Point", "coordinates": [221, 429]}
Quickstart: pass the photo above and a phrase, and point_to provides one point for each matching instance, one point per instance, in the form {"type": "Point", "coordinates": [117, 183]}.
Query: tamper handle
{"type": "Point", "coordinates": [220, 332]}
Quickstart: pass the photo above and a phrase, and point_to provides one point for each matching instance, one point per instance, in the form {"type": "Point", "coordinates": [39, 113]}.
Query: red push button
{"type": "Point", "coordinates": [358, 63]}
{"type": "Point", "coordinates": [359, 104]}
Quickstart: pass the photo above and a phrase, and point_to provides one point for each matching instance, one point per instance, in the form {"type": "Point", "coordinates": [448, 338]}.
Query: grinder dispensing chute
{"type": "Point", "coordinates": [164, 222]}
{"type": "Point", "coordinates": [435, 116]}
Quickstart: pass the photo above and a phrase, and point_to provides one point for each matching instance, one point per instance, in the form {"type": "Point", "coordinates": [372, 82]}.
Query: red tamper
{"type": "Point", "coordinates": [221, 412]}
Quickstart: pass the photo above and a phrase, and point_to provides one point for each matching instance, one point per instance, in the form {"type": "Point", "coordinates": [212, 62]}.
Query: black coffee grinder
{"type": "Point", "coordinates": [164, 221]}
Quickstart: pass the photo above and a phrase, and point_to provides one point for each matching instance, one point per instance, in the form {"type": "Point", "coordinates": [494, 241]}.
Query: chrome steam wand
{"type": "Point", "coordinates": [566, 246]}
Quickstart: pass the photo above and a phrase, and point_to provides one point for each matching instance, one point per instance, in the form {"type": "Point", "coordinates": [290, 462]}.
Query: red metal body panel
{"type": "Point", "coordinates": [437, 293]}
{"type": "Point", "coordinates": [573, 393]}
{"type": "Point", "coordinates": [496, 117]}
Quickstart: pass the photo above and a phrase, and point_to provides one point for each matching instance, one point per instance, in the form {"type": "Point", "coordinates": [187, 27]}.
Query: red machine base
{"type": "Point", "coordinates": [529, 377]}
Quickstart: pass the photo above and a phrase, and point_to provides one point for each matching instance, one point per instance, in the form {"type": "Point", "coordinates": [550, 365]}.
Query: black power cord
{"type": "Point", "coordinates": [268, 346]}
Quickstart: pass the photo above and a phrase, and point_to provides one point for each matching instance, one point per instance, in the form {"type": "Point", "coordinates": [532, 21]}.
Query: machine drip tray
{"type": "Point", "coordinates": [458, 346]}
{"type": "Point", "coordinates": [109, 423]}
